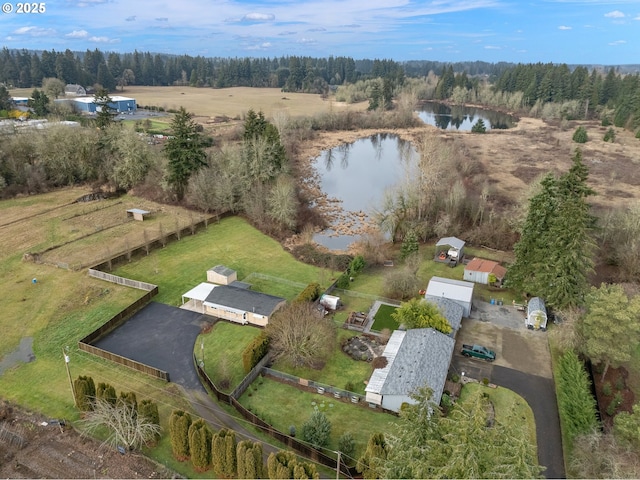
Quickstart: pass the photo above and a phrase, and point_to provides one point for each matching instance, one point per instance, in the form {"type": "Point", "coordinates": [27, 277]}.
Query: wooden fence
{"type": "Point", "coordinates": [127, 362]}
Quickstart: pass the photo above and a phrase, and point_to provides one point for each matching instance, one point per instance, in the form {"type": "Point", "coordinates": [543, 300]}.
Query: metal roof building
{"type": "Point", "coordinates": [415, 358]}
{"type": "Point", "coordinates": [457, 290]}
{"type": "Point", "coordinates": [118, 103]}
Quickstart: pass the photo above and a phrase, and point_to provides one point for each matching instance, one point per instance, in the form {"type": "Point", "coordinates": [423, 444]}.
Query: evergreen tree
{"type": "Point", "coordinates": [85, 392]}
{"type": "Point", "coordinates": [580, 135]}
{"type": "Point", "coordinates": [106, 392]}
{"type": "Point", "coordinates": [223, 447]}
{"type": "Point", "coordinates": [316, 430]}
{"type": "Point", "coordinates": [249, 460]}
{"type": "Point", "coordinates": [104, 111]}
{"type": "Point", "coordinates": [128, 398]}
{"type": "Point", "coordinates": [555, 252]}
{"type": "Point", "coordinates": [184, 151]}
{"type": "Point", "coordinates": [149, 410]}
{"type": "Point", "coordinates": [479, 127]}
{"type": "Point", "coordinates": [179, 424]}
{"type": "Point", "coordinates": [280, 465]}
{"type": "Point", "coordinates": [371, 463]}
{"type": "Point", "coordinates": [409, 244]}
{"type": "Point", "coordinates": [200, 445]}
{"type": "Point", "coordinates": [6, 103]}
{"type": "Point", "coordinates": [39, 102]}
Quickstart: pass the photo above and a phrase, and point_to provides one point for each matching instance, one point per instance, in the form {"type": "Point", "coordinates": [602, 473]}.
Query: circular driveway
{"type": "Point", "coordinates": [523, 364]}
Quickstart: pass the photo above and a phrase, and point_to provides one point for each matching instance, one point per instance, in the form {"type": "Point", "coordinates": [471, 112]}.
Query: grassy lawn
{"type": "Point", "coordinates": [339, 370]}
{"type": "Point", "coordinates": [232, 242]}
{"type": "Point", "coordinates": [502, 400]}
{"type": "Point", "coordinates": [223, 347]}
{"type": "Point", "coordinates": [383, 318]}
{"type": "Point", "coordinates": [294, 407]}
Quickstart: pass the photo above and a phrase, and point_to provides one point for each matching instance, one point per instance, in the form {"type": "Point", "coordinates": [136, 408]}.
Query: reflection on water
{"type": "Point", "coordinates": [353, 178]}
{"type": "Point", "coordinates": [458, 117]}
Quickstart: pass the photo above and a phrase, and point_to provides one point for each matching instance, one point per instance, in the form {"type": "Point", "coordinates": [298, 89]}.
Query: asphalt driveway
{"type": "Point", "coordinates": [523, 364]}
{"type": "Point", "coordinates": [161, 336]}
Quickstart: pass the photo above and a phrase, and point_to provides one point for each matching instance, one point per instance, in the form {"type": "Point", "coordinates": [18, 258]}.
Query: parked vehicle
{"type": "Point", "coordinates": [478, 351]}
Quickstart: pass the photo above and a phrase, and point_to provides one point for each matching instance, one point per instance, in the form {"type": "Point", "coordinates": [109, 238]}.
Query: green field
{"type": "Point", "coordinates": [232, 242]}
{"type": "Point", "coordinates": [222, 353]}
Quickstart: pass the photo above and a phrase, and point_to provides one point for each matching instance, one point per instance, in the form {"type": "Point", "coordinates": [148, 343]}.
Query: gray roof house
{"type": "Point", "coordinates": [450, 310]}
{"type": "Point", "coordinates": [75, 90]}
{"type": "Point", "coordinates": [459, 291]}
{"type": "Point", "coordinates": [241, 305]}
{"type": "Point", "coordinates": [415, 358]}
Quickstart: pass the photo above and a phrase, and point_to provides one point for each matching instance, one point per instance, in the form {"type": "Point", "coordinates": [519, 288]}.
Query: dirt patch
{"type": "Point", "coordinates": [613, 389]}
{"type": "Point", "coordinates": [362, 348]}
{"type": "Point", "coordinates": [32, 446]}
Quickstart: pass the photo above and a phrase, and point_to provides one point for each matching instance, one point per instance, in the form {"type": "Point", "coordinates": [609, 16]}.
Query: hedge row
{"type": "Point", "coordinates": [255, 351]}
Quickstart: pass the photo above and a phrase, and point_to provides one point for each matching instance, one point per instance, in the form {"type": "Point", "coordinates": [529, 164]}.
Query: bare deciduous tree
{"type": "Point", "coordinates": [300, 335]}
{"type": "Point", "coordinates": [126, 428]}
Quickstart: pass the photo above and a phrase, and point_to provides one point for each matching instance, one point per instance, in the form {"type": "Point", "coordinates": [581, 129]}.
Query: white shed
{"type": "Point", "coordinates": [457, 290]}
{"type": "Point", "coordinates": [330, 302]}
{"type": "Point", "coordinates": [536, 314]}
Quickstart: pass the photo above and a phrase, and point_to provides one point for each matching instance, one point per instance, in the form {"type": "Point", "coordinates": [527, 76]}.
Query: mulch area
{"type": "Point", "coordinates": [617, 379]}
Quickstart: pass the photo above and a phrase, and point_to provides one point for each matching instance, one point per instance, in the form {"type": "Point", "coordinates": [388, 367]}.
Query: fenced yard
{"type": "Point", "coordinates": [283, 406]}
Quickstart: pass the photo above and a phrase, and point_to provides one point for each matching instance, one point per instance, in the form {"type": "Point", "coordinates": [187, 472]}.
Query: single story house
{"type": "Point", "coordinates": [415, 358]}
{"type": "Point", "coordinates": [536, 314]}
{"type": "Point", "coordinates": [221, 275]}
{"type": "Point", "coordinates": [456, 290]}
{"type": "Point", "coordinates": [450, 310]}
{"type": "Point", "coordinates": [479, 270]}
{"type": "Point", "coordinates": [241, 305]}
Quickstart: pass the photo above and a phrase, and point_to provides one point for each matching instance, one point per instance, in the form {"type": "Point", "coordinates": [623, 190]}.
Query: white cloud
{"type": "Point", "coordinates": [102, 40]}
{"type": "Point", "coordinates": [614, 14]}
{"type": "Point", "coordinates": [492, 47]}
{"type": "Point", "coordinates": [564, 27]}
{"type": "Point", "coordinates": [162, 19]}
{"type": "Point", "coordinates": [307, 41]}
{"type": "Point", "coordinates": [637, 18]}
{"type": "Point", "coordinates": [34, 31]}
{"type": "Point", "coordinates": [77, 34]}
{"type": "Point", "coordinates": [618, 42]}
{"type": "Point", "coordinates": [258, 17]}
{"type": "Point", "coordinates": [132, 18]}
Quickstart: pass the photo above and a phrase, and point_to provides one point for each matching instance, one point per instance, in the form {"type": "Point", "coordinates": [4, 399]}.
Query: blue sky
{"type": "Point", "coordinates": [569, 31]}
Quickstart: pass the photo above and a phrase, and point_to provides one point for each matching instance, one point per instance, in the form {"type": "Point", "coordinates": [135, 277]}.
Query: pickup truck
{"type": "Point", "coordinates": [478, 351]}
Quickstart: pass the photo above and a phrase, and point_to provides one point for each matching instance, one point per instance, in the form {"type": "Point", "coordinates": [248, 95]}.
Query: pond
{"type": "Point", "coordinates": [353, 178]}
{"type": "Point", "coordinates": [462, 118]}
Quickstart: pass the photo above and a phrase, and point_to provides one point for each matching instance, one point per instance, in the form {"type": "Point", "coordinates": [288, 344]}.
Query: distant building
{"type": "Point", "coordinates": [75, 90]}
{"type": "Point", "coordinates": [20, 101]}
{"type": "Point", "coordinates": [88, 105]}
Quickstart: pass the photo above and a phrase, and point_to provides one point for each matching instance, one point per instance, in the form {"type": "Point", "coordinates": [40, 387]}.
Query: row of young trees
{"type": "Point", "coordinates": [194, 440]}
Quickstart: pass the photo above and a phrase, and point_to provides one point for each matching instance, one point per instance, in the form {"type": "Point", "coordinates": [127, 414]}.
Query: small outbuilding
{"type": "Point", "coordinates": [484, 271]}
{"type": "Point", "coordinates": [456, 290]}
{"type": "Point", "coordinates": [74, 90]}
{"type": "Point", "coordinates": [330, 302]}
{"type": "Point", "coordinates": [536, 314]}
{"type": "Point", "coordinates": [449, 250]}
{"type": "Point", "coordinates": [137, 214]}
{"type": "Point", "coordinates": [221, 275]}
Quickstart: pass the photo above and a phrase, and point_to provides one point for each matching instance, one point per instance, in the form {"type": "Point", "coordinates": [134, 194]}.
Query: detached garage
{"type": "Point", "coordinates": [480, 270]}
{"type": "Point", "coordinates": [455, 290]}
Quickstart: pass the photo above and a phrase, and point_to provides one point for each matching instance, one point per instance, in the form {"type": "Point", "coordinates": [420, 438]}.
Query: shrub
{"type": "Point", "coordinates": [128, 398]}
{"type": "Point", "coordinates": [343, 281]}
{"type": "Point", "coordinates": [179, 424]}
{"type": "Point", "coordinates": [292, 430]}
{"type": "Point", "coordinates": [255, 351]}
{"type": "Point", "coordinates": [606, 388]}
{"type": "Point", "coordinates": [455, 378]}
{"type": "Point", "coordinates": [349, 387]}
{"type": "Point", "coordinates": [357, 265]}
{"type": "Point", "coordinates": [316, 430]}
{"type": "Point", "coordinates": [200, 445]}
{"type": "Point", "coordinates": [638, 134]}
{"type": "Point", "coordinates": [346, 444]}
{"type": "Point", "coordinates": [580, 135]}
{"type": "Point", "coordinates": [620, 384]}
{"type": "Point", "coordinates": [309, 294]}
{"type": "Point", "coordinates": [614, 404]}
{"type": "Point", "coordinates": [605, 122]}
{"type": "Point", "coordinates": [224, 453]}
{"type": "Point", "coordinates": [84, 390]}
{"type": "Point", "coordinates": [149, 410]}
{"type": "Point", "coordinates": [610, 136]}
